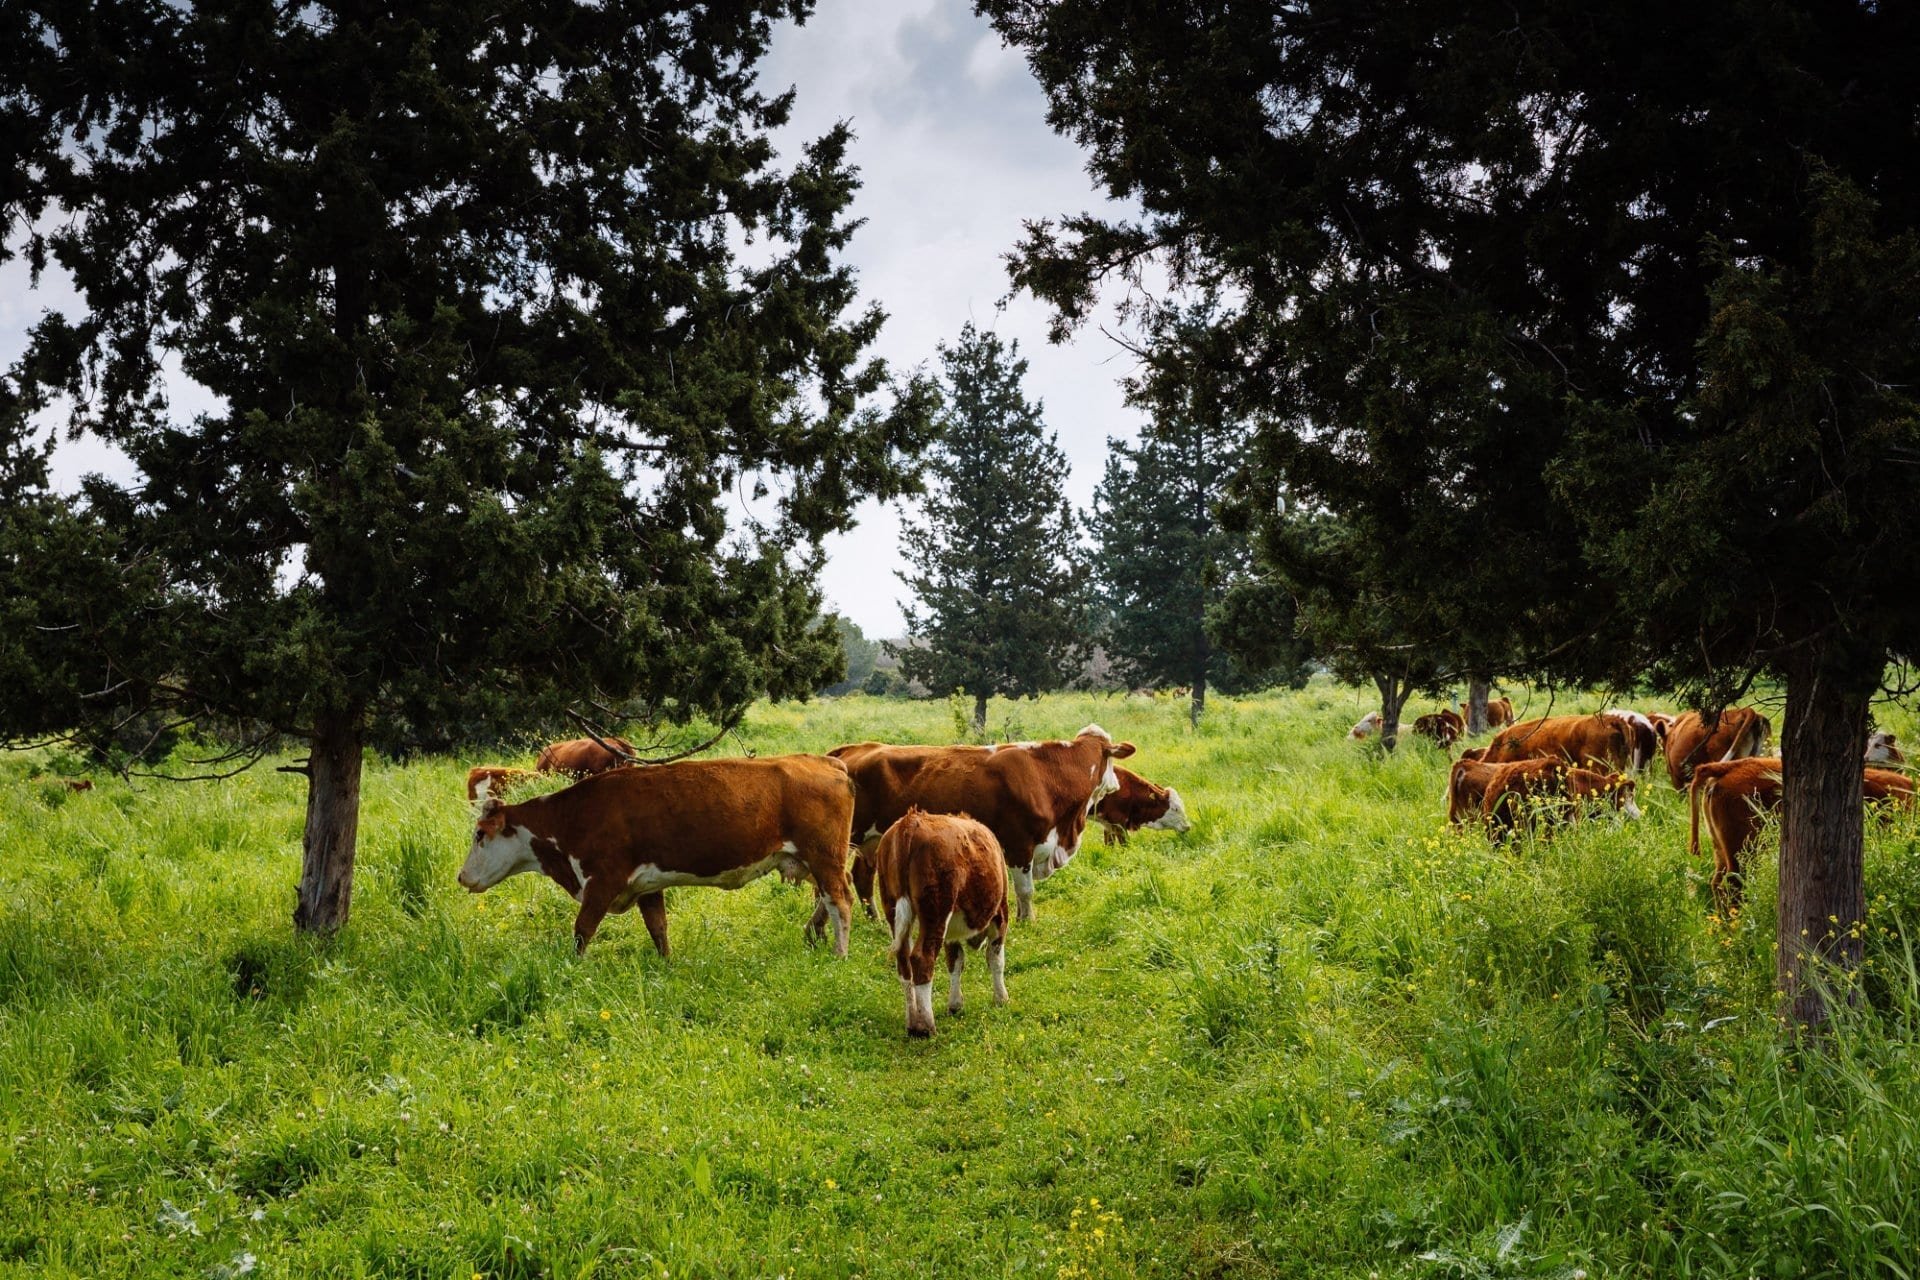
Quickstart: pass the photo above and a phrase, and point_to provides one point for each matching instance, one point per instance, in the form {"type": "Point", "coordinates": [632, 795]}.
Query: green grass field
{"type": "Point", "coordinates": [1315, 1036]}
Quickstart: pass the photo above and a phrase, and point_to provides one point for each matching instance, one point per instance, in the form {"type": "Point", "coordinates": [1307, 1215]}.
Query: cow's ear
{"type": "Point", "coordinates": [491, 817]}
{"type": "Point", "coordinates": [1121, 751]}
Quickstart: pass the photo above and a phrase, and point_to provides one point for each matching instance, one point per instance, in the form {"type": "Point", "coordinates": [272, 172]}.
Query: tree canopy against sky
{"type": "Point", "coordinates": [1629, 225]}
{"type": "Point", "coordinates": [501, 305]}
{"type": "Point", "coordinates": [998, 576]}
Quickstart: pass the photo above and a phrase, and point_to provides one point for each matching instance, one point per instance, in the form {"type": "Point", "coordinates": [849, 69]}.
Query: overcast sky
{"type": "Point", "coordinates": [954, 153]}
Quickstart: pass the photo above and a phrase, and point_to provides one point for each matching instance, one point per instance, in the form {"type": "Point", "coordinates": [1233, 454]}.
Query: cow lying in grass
{"type": "Point", "coordinates": [946, 875]}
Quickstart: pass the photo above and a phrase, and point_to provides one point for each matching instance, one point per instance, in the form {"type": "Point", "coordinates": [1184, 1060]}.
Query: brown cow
{"type": "Point", "coordinates": [1367, 726]}
{"type": "Point", "coordinates": [1467, 784]}
{"type": "Point", "coordinates": [1738, 733]}
{"type": "Point", "coordinates": [1739, 794]}
{"type": "Point", "coordinates": [584, 757]}
{"type": "Point", "coordinates": [1033, 796]}
{"type": "Point", "coordinates": [1520, 791]}
{"type": "Point", "coordinates": [881, 774]}
{"type": "Point", "coordinates": [947, 873]}
{"type": "Point", "coordinates": [1499, 712]}
{"type": "Point", "coordinates": [1138, 805]}
{"type": "Point", "coordinates": [623, 837]}
{"type": "Point", "coordinates": [1579, 740]}
{"type": "Point", "coordinates": [1443, 727]}
{"type": "Point", "coordinates": [1642, 738]}
{"type": "Point", "coordinates": [495, 780]}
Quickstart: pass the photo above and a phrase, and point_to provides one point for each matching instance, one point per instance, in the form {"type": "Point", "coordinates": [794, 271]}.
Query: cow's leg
{"type": "Point", "coordinates": [1022, 878]}
{"type": "Point", "coordinates": [595, 898]}
{"type": "Point", "coordinates": [653, 910]}
{"type": "Point", "coordinates": [997, 960]}
{"type": "Point", "coordinates": [933, 913]}
{"type": "Point", "coordinates": [833, 896]}
{"type": "Point", "coordinates": [863, 871]}
{"type": "Point", "coordinates": [956, 961]}
{"type": "Point", "coordinates": [817, 922]}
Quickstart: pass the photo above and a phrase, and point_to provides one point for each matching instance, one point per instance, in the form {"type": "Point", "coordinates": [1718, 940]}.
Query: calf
{"type": "Point", "coordinates": [947, 873]}
{"type": "Point", "coordinates": [1737, 796]}
{"type": "Point", "coordinates": [1519, 792]}
{"type": "Point", "coordinates": [1138, 805]}
{"type": "Point", "coordinates": [621, 838]}
{"type": "Point", "coordinates": [585, 757]}
{"type": "Point", "coordinates": [1467, 784]}
{"type": "Point", "coordinates": [1736, 733]}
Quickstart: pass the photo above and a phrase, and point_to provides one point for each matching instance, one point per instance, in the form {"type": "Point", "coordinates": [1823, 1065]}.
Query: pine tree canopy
{"type": "Point", "coordinates": [501, 306]}
{"type": "Point", "coordinates": [997, 571]}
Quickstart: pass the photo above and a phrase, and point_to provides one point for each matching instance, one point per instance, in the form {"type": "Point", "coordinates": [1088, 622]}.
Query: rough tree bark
{"type": "Point", "coordinates": [1479, 689]}
{"type": "Point", "coordinates": [1393, 696]}
{"type": "Point", "coordinates": [333, 825]}
{"type": "Point", "coordinates": [1199, 704]}
{"type": "Point", "coordinates": [979, 715]}
{"type": "Point", "coordinates": [1822, 898]}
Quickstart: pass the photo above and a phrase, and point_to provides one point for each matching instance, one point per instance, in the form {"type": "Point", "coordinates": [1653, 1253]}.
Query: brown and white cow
{"type": "Point", "coordinates": [621, 838]}
{"type": "Point", "coordinates": [584, 757]}
{"type": "Point", "coordinates": [494, 780]}
{"type": "Point", "coordinates": [1033, 796]}
{"type": "Point", "coordinates": [1499, 712]}
{"type": "Point", "coordinates": [1738, 732]}
{"type": "Point", "coordinates": [945, 873]}
{"type": "Point", "coordinates": [1522, 791]}
{"type": "Point", "coordinates": [1882, 749]}
{"type": "Point", "coordinates": [1642, 737]}
{"type": "Point", "coordinates": [1443, 727]}
{"type": "Point", "coordinates": [1580, 740]}
{"type": "Point", "coordinates": [1467, 784]}
{"type": "Point", "coordinates": [1367, 726]}
{"type": "Point", "coordinates": [1138, 805]}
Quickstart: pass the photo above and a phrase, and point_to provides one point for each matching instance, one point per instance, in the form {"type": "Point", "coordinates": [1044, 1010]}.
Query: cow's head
{"type": "Point", "coordinates": [499, 850]}
{"type": "Point", "coordinates": [1175, 818]}
{"type": "Point", "coordinates": [1106, 780]}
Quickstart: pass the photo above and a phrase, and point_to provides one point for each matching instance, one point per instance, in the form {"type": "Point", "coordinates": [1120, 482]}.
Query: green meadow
{"type": "Point", "coordinates": [1318, 1035]}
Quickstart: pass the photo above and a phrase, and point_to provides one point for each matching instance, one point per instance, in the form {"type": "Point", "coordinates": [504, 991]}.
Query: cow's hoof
{"type": "Point", "coordinates": [919, 1033]}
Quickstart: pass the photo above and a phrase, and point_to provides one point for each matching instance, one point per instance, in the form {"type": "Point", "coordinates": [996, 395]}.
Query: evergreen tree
{"type": "Point", "coordinates": [1617, 231]}
{"type": "Point", "coordinates": [997, 570]}
{"type": "Point", "coordinates": [463, 281]}
{"type": "Point", "coordinates": [858, 653]}
{"type": "Point", "coordinates": [1166, 562]}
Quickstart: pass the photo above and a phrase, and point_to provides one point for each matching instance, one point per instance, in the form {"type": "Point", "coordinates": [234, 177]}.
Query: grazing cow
{"type": "Point", "coordinates": [1881, 749]}
{"type": "Point", "coordinates": [1467, 785]}
{"type": "Point", "coordinates": [1579, 740]}
{"type": "Point", "coordinates": [947, 873]}
{"type": "Point", "coordinates": [1888, 786]}
{"type": "Point", "coordinates": [881, 774]}
{"type": "Point", "coordinates": [1033, 796]}
{"type": "Point", "coordinates": [1474, 753]}
{"type": "Point", "coordinates": [1642, 738]}
{"type": "Point", "coordinates": [584, 757]}
{"type": "Point", "coordinates": [86, 784]}
{"type": "Point", "coordinates": [1137, 805]}
{"type": "Point", "coordinates": [1550, 788]}
{"type": "Point", "coordinates": [1738, 733]}
{"type": "Point", "coordinates": [495, 780]}
{"type": "Point", "coordinates": [623, 837]}
{"type": "Point", "coordinates": [1366, 726]}
{"type": "Point", "coordinates": [1443, 727]}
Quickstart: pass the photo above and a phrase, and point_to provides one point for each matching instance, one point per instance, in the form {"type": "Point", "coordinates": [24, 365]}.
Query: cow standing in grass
{"type": "Point", "coordinates": [946, 875]}
{"type": "Point", "coordinates": [621, 838]}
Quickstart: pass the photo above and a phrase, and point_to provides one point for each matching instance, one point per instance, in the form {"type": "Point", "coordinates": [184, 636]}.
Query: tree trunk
{"type": "Point", "coordinates": [1199, 699]}
{"type": "Point", "coordinates": [979, 715]}
{"type": "Point", "coordinates": [333, 825]}
{"type": "Point", "coordinates": [1822, 895]}
{"type": "Point", "coordinates": [1393, 696]}
{"type": "Point", "coordinates": [1478, 690]}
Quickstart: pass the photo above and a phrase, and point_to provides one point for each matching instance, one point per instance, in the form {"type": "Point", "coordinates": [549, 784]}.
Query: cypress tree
{"type": "Point", "coordinates": [997, 575]}
{"type": "Point", "coordinates": [463, 280]}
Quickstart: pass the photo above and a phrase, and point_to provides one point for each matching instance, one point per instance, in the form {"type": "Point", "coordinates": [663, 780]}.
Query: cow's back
{"type": "Point", "coordinates": [1577, 739]}
{"type": "Point", "coordinates": [1741, 731]}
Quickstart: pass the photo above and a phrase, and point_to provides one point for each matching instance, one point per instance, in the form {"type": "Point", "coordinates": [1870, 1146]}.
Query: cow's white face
{"type": "Point", "coordinates": [497, 852]}
{"type": "Point", "coordinates": [1175, 818]}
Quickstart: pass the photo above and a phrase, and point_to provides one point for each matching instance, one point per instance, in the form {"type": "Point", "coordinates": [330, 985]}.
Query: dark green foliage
{"type": "Point", "coordinates": [860, 654]}
{"type": "Point", "coordinates": [1603, 316]}
{"type": "Point", "coordinates": [998, 573]}
{"type": "Point", "coordinates": [1165, 560]}
{"type": "Point", "coordinates": [488, 368]}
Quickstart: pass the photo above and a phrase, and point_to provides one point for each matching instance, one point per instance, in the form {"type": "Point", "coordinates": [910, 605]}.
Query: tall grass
{"type": "Point", "coordinates": [1317, 1035]}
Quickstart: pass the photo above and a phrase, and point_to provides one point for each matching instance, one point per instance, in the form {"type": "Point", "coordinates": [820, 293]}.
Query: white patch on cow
{"type": "Point", "coordinates": [1094, 731]}
{"type": "Point", "coordinates": [494, 858]}
{"type": "Point", "coordinates": [1175, 818]}
{"type": "Point", "coordinates": [958, 929]}
{"type": "Point", "coordinates": [1368, 725]}
{"type": "Point", "coordinates": [579, 875]}
{"type": "Point", "coordinates": [953, 981]}
{"type": "Point", "coordinates": [649, 877]}
{"type": "Point", "coordinates": [902, 921]}
{"type": "Point", "coordinates": [997, 968]}
{"type": "Point", "coordinates": [1631, 809]}
{"type": "Point", "coordinates": [1022, 878]}
{"type": "Point", "coordinates": [1043, 856]}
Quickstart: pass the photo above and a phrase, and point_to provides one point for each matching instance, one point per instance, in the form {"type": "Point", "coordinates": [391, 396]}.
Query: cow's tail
{"type": "Point", "coordinates": [1700, 788]}
{"type": "Point", "coordinates": [1456, 793]}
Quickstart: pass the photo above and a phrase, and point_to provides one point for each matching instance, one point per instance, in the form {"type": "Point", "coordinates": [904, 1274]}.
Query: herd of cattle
{"type": "Point", "coordinates": [1558, 767]}
{"type": "Point", "coordinates": [942, 831]}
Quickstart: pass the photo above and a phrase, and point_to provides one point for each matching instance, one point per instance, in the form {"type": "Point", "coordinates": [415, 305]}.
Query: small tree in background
{"type": "Point", "coordinates": [1166, 562]}
{"type": "Point", "coordinates": [997, 575]}
{"type": "Point", "coordinates": [463, 283]}
{"type": "Point", "coordinates": [858, 652]}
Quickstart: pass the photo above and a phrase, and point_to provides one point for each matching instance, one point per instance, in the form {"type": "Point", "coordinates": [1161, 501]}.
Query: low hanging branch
{"type": "Point", "coordinates": [728, 724]}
